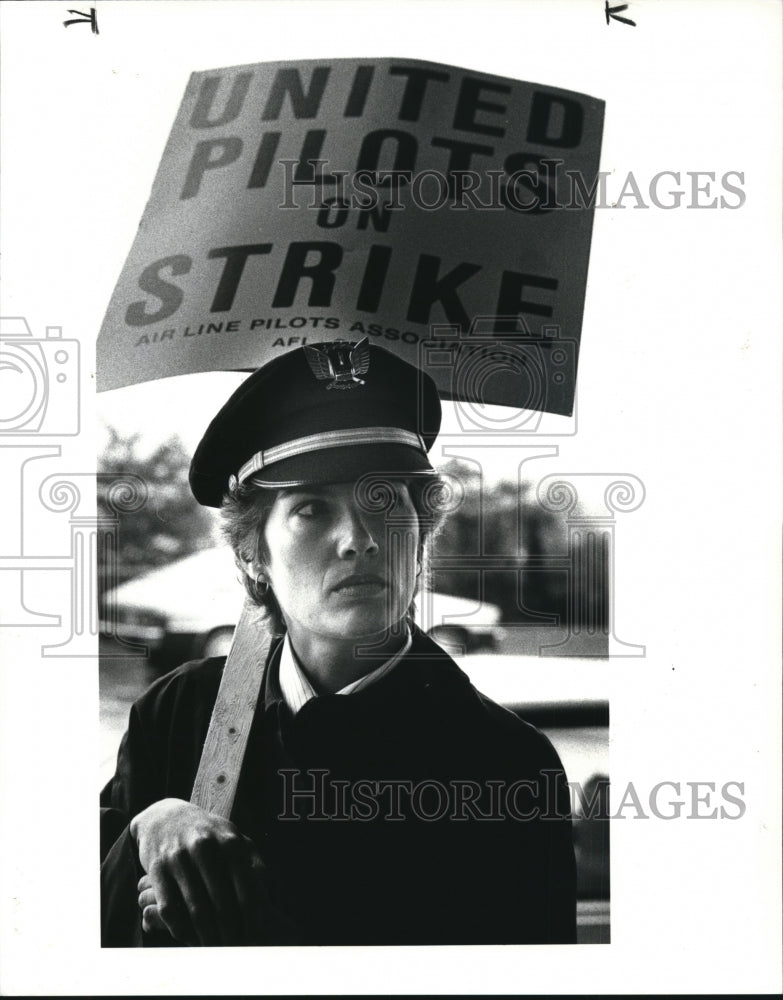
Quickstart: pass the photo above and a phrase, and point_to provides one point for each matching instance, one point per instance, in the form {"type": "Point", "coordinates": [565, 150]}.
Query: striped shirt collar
{"type": "Point", "coordinates": [297, 689]}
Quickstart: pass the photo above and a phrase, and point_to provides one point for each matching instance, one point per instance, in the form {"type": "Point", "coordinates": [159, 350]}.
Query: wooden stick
{"type": "Point", "coordinates": [229, 728]}
{"type": "Point", "coordinates": [215, 786]}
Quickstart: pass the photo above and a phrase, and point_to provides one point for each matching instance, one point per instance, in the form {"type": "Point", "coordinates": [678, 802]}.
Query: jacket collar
{"type": "Point", "coordinates": [425, 666]}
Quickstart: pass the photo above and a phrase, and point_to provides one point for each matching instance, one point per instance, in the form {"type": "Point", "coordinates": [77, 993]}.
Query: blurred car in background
{"type": "Point", "coordinates": [180, 612]}
{"type": "Point", "coordinates": [188, 610]}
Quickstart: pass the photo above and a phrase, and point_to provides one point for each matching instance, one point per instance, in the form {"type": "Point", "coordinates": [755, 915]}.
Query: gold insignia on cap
{"type": "Point", "coordinates": [340, 363]}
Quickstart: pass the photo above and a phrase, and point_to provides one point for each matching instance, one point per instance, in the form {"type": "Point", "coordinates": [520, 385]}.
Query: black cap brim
{"type": "Point", "coordinates": [330, 465]}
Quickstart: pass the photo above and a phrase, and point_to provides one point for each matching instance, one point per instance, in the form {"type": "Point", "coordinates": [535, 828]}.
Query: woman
{"type": "Point", "coordinates": [382, 799]}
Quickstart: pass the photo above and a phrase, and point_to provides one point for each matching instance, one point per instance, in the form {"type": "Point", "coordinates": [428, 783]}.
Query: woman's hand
{"type": "Point", "coordinates": [204, 881]}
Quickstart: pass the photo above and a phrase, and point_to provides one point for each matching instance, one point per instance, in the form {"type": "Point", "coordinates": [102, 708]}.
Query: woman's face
{"type": "Point", "coordinates": [337, 570]}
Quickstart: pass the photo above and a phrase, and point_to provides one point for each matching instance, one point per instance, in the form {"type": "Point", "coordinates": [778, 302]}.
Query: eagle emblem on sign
{"type": "Point", "coordinates": [340, 363]}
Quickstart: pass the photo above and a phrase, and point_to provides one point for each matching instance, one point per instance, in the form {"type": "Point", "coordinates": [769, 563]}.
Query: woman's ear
{"type": "Point", "coordinates": [259, 582]}
{"type": "Point", "coordinates": [254, 570]}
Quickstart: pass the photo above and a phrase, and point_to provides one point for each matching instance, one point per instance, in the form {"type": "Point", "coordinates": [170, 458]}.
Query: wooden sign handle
{"type": "Point", "coordinates": [218, 772]}
{"type": "Point", "coordinates": [229, 728]}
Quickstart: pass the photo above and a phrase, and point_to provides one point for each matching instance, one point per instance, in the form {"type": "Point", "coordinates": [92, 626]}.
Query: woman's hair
{"type": "Point", "coordinates": [246, 507]}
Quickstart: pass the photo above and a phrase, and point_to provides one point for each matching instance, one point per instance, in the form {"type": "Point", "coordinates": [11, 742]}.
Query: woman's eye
{"type": "Point", "coordinates": [310, 508]}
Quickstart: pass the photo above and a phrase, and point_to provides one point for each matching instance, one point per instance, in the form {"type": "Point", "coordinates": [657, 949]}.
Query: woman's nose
{"type": "Point", "coordinates": [356, 537]}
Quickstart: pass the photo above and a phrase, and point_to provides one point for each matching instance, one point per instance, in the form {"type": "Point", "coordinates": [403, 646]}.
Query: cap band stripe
{"type": "Point", "coordinates": [330, 439]}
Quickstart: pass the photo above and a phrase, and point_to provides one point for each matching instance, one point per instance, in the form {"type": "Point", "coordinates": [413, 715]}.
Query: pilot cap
{"type": "Point", "coordinates": [322, 413]}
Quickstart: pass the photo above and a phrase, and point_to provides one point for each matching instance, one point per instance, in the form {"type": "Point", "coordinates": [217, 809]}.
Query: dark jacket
{"type": "Point", "coordinates": [416, 811]}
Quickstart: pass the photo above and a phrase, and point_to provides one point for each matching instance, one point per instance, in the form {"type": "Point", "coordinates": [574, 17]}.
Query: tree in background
{"type": "Point", "coordinates": [496, 547]}
{"type": "Point", "coordinates": [168, 525]}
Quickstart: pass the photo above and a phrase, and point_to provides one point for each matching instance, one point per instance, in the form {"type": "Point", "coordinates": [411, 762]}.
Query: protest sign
{"type": "Point", "coordinates": [443, 213]}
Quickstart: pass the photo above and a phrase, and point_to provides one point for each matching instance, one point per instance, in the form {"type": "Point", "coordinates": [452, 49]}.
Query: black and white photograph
{"type": "Point", "coordinates": [391, 417]}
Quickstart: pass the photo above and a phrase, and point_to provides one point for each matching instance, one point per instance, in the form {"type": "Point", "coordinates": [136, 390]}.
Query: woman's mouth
{"type": "Point", "coordinates": [360, 584]}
